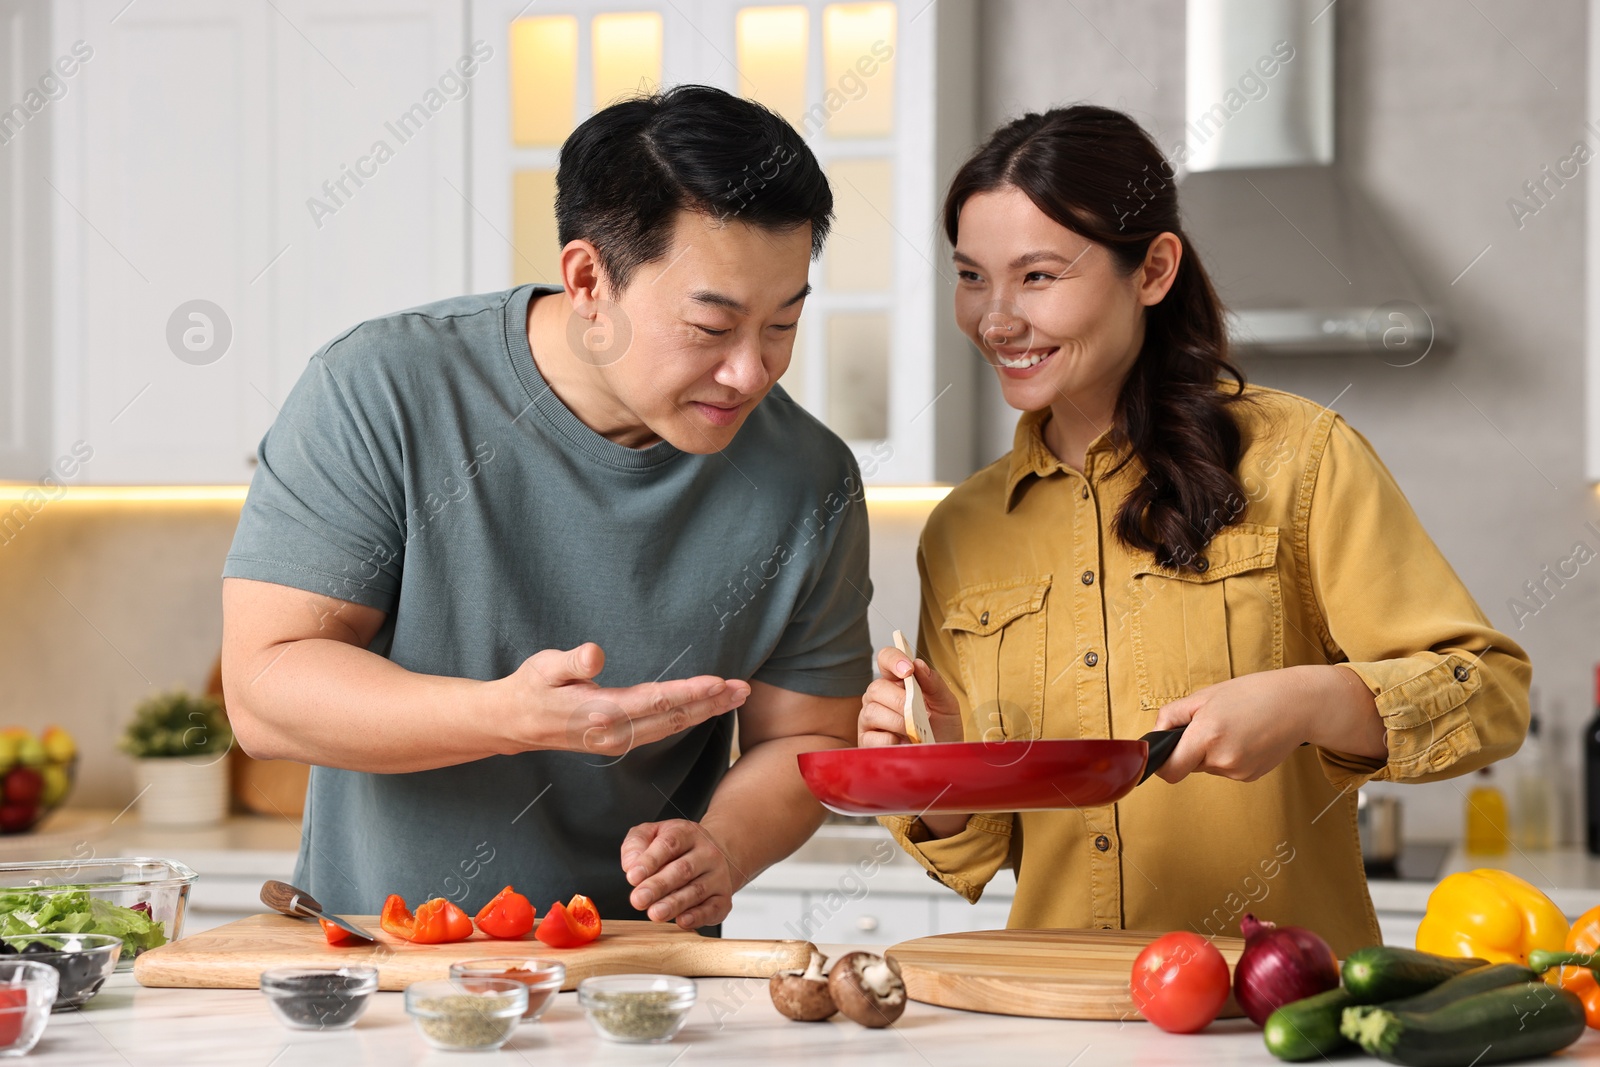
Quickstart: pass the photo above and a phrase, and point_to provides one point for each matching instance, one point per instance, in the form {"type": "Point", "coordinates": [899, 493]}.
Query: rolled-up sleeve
{"type": "Point", "coordinates": [966, 861]}
{"type": "Point", "coordinates": [1452, 690]}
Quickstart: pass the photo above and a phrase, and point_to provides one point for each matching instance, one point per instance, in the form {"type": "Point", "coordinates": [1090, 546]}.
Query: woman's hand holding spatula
{"type": "Point", "coordinates": [894, 706]}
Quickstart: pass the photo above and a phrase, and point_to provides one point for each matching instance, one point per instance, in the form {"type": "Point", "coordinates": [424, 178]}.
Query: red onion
{"type": "Point", "coordinates": [1280, 964]}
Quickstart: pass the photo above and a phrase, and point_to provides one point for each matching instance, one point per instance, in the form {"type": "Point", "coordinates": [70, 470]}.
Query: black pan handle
{"type": "Point", "coordinates": [1162, 743]}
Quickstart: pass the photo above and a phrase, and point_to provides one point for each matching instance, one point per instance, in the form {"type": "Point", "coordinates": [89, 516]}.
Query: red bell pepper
{"type": "Point", "coordinates": [576, 923]}
{"type": "Point", "coordinates": [338, 935]}
{"type": "Point", "coordinates": [13, 1003]}
{"type": "Point", "coordinates": [508, 916]}
{"type": "Point", "coordinates": [436, 922]}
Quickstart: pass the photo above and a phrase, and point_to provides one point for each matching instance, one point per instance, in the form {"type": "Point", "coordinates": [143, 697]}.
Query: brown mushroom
{"type": "Point", "coordinates": [868, 988]}
{"type": "Point", "coordinates": [803, 995]}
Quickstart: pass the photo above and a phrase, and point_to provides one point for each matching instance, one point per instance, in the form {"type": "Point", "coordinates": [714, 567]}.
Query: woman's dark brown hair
{"type": "Point", "coordinates": [1096, 172]}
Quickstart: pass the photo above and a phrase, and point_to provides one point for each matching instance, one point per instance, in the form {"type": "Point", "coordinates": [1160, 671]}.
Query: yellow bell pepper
{"type": "Point", "coordinates": [1492, 915]}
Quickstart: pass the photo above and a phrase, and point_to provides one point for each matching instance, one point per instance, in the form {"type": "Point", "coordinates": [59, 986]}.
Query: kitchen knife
{"type": "Point", "coordinates": [298, 904]}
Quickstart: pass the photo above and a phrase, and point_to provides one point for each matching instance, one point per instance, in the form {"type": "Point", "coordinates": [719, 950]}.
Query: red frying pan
{"type": "Point", "coordinates": [968, 776]}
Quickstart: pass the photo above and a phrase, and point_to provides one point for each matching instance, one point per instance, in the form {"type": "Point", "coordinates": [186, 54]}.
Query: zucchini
{"type": "Point", "coordinates": [1511, 1023]}
{"type": "Point", "coordinates": [1308, 1028]}
{"type": "Point", "coordinates": [1379, 973]}
{"type": "Point", "coordinates": [1478, 980]}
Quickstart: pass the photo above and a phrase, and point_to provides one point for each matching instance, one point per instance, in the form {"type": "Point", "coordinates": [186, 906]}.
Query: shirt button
{"type": "Point", "coordinates": [1202, 564]}
{"type": "Point", "coordinates": [1090, 658]}
{"type": "Point", "coordinates": [1088, 578]}
{"type": "Point", "coordinates": [1086, 492]}
{"type": "Point", "coordinates": [983, 620]}
{"type": "Point", "coordinates": [1462, 674]}
{"type": "Point", "coordinates": [1102, 842]}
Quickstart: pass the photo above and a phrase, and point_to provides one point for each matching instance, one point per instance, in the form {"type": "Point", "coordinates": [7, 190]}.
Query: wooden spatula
{"type": "Point", "coordinates": [917, 726]}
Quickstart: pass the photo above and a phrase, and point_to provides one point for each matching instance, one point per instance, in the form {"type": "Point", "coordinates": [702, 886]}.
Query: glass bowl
{"type": "Point", "coordinates": [542, 976]}
{"type": "Point", "coordinates": [637, 1008]}
{"type": "Point", "coordinates": [27, 991]}
{"type": "Point", "coordinates": [159, 887]}
{"type": "Point", "coordinates": [479, 1013]}
{"type": "Point", "coordinates": [83, 961]}
{"type": "Point", "coordinates": [319, 998]}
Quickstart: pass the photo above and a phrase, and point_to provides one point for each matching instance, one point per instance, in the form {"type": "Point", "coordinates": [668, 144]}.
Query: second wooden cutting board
{"type": "Point", "coordinates": [233, 956]}
{"type": "Point", "coordinates": [1047, 974]}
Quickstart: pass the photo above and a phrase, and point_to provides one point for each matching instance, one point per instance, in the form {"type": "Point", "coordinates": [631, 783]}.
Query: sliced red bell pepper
{"type": "Point", "coordinates": [436, 922]}
{"type": "Point", "coordinates": [570, 925]}
{"type": "Point", "coordinates": [508, 916]}
{"type": "Point", "coordinates": [338, 935]}
{"type": "Point", "coordinates": [396, 918]}
{"type": "Point", "coordinates": [12, 1015]}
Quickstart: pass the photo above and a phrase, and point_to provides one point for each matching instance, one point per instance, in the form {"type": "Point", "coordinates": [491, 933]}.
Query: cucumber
{"type": "Point", "coordinates": [1378, 973]}
{"type": "Point", "coordinates": [1308, 1028]}
{"type": "Point", "coordinates": [1511, 1023]}
{"type": "Point", "coordinates": [1478, 980]}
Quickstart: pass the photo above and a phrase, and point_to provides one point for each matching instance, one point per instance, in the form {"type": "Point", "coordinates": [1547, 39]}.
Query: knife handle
{"type": "Point", "coordinates": [285, 898]}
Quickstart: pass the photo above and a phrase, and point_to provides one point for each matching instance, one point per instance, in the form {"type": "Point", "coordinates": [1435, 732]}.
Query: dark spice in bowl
{"type": "Point", "coordinates": [84, 961]}
{"type": "Point", "coordinates": [319, 1000]}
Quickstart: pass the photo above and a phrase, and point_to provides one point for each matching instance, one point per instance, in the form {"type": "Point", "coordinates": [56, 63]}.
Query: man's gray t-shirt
{"type": "Point", "coordinates": [421, 466]}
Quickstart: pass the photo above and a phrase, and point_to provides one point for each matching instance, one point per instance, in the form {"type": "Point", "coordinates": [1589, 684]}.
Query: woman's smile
{"type": "Point", "coordinates": [1023, 363]}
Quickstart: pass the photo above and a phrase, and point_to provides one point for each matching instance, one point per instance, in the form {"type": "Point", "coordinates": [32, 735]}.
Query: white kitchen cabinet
{"type": "Point", "coordinates": [884, 95]}
{"type": "Point", "coordinates": [300, 165]}
{"type": "Point", "coordinates": [230, 153]}
{"type": "Point", "coordinates": [953, 915]}
{"type": "Point", "coordinates": [764, 914]}
{"type": "Point", "coordinates": [874, 919]}
{"type": "Point", "coordinates": [25, 237]}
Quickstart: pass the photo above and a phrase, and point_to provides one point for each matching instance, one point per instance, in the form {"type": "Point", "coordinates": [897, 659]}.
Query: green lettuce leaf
{"type": "Point", "coordinates": [75, 912]}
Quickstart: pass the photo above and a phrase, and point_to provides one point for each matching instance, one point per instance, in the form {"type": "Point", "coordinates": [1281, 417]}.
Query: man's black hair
{"type": "Point", "coordinates": [630, 168]}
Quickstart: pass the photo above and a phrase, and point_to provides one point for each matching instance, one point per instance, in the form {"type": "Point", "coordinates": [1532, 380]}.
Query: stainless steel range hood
{"type": "Point", "coordinates": [1299, 257]}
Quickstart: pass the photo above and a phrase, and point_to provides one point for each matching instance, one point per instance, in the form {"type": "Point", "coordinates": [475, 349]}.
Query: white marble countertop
{"type": "Point", "coordinates": [733, 1022]}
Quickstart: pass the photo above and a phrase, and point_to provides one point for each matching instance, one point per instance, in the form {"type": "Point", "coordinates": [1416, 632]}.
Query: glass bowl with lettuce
{"type": "Point", "coordinates": [138, 899]}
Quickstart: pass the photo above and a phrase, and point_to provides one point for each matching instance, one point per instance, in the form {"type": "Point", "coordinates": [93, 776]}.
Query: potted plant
{"type": "Point", "coordinates": [180, 744]}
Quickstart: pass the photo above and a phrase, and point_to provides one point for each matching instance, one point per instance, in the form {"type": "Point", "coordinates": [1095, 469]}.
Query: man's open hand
{"type": "Point", "coordinates": [557, 704]}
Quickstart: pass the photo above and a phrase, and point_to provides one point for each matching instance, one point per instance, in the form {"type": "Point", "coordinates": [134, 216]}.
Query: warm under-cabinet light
{"type": "Point", "coordinates": [32, 493]}
{"type": "Point", "coordinates": [24, 492]}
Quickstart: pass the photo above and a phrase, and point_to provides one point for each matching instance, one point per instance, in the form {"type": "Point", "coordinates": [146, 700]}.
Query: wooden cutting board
{"type": "Point", "coordinates": [233, 956]}
{"type": "Point", "coordinates": [1047, 974]}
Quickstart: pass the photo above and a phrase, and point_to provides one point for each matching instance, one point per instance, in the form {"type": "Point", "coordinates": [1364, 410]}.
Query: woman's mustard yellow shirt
{"type": "Point", "coordinates": [1045, 625]}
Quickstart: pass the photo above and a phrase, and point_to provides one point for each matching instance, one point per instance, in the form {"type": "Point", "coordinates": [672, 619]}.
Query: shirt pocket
{"type": "Point", "coordinates": [998, 629]}
{"type": "Point", "coordinates": [1191, 629]}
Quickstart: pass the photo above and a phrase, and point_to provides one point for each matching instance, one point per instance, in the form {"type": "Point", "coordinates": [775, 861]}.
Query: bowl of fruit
{"type": "Point", "coordinates": [36, 775]}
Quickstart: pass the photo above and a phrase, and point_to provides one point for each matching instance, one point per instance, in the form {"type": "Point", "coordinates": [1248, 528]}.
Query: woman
{"type": "Point", "coordinates": [1164, 546]}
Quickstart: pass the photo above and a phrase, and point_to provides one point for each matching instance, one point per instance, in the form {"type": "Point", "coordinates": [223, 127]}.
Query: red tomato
{"type": "Point", "coordinates": [509, 915]}
{"type": "Point", "coordinates": [1180, 982]}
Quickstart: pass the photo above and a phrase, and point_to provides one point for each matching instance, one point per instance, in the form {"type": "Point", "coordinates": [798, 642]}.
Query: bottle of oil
{"type": "Point", "coordinates": [1535, 809]}
{"type": "Point", "coordinates": [1488, 829]}
{"type": "Point", "coordinates": [1591, 774]}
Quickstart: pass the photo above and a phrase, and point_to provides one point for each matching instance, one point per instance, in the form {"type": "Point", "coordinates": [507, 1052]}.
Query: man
{"type": "Point", "coordinates": [510, 560]}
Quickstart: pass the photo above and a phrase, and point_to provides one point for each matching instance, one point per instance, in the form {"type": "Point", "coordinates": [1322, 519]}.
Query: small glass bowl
{"type": "Point", "coordinates": [542, 976]}
{"type": "Point", "coordinates": [319, 998]}
{"type": "Point", "coordinates": [27, 991]}
{"type": "Point", "coordinates": [637, 1008]}
{"type": "Point", "coordinates": [477, 1013]}
{"type": "Point", "coordinates": [83, 961]}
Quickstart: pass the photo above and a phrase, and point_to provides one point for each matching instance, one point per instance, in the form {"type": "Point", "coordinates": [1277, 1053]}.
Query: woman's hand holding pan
{"type": "Point", "coordinates": [883, 715]}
